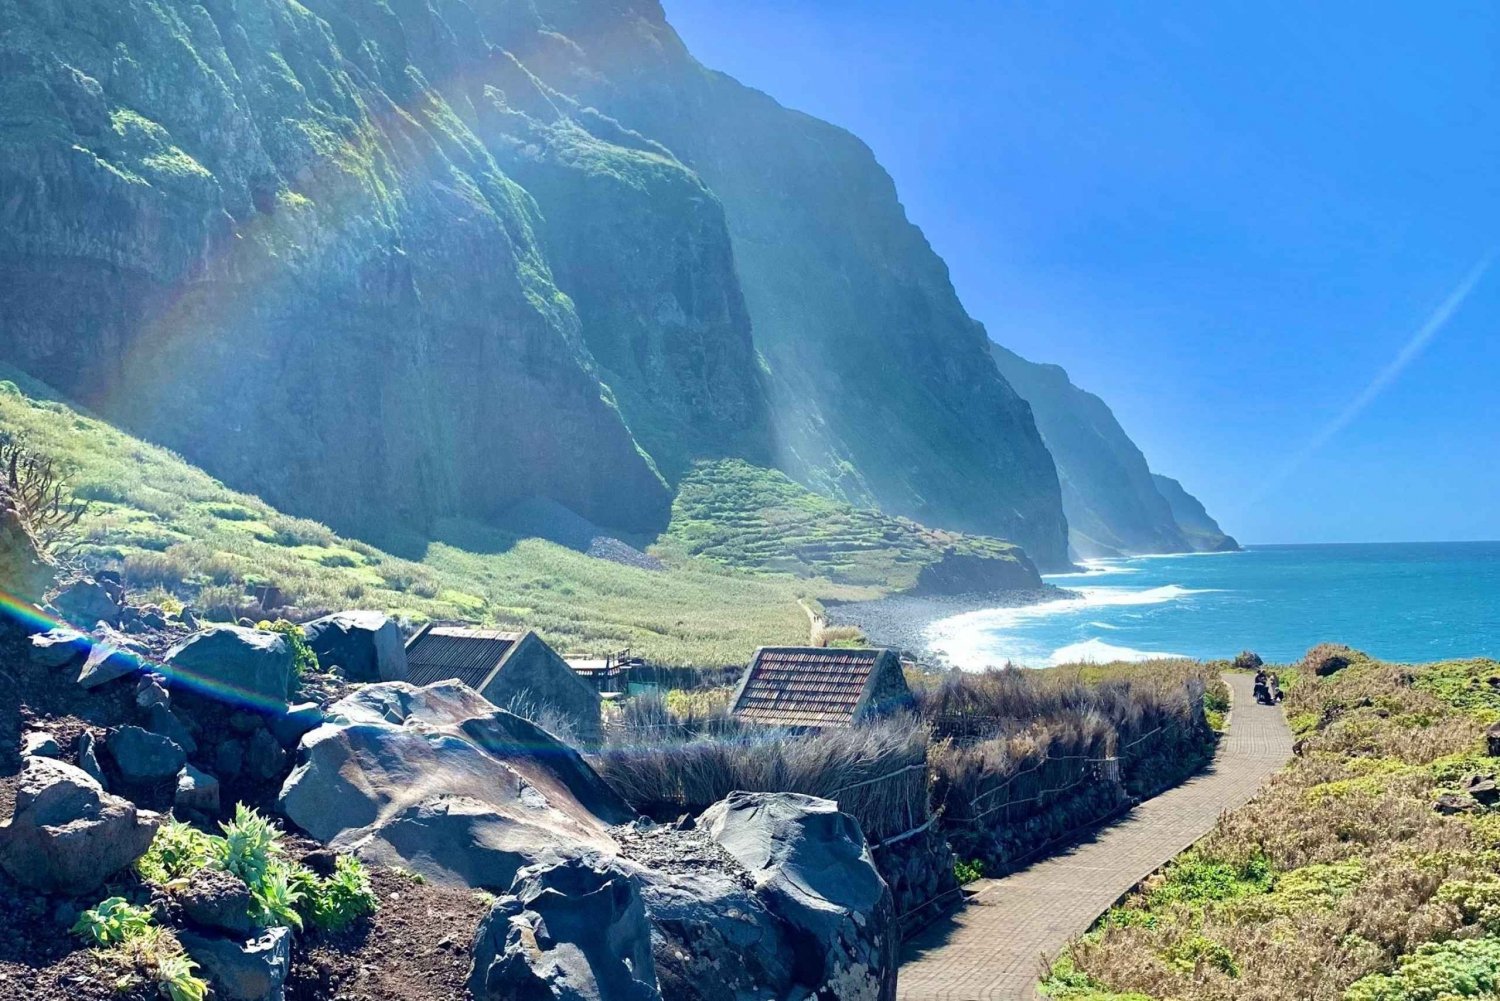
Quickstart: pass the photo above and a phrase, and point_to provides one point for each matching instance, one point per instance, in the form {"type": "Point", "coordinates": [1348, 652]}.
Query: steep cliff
{"type": "Point", "coordinates": [1201, 530]}
{"type": "Point", "coordinates": [880, 388]}
{"type": "Point", "coordinates": [1112, 504]}
{"type": "Point", "coordinates": [387, 263]}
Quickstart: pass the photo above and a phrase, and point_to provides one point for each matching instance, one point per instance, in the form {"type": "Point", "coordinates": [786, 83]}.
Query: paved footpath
{"type": "Point", "coordinates": [995, 947]}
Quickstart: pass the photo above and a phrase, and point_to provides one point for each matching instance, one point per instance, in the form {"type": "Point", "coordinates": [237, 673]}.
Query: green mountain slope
{"type": "Point", "coordinates": [387, 265]}
{"type": "Point", "coordinates": [1112, 504]}
{"type": "Point", "coordinates": [177, 530]}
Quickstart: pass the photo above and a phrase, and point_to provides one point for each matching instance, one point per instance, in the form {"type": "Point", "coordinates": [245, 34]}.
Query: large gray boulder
{"type": "Point", "coordinates": [362, 646]}
{"type": "Point", "coordinates": [439, 781]}
{"type": "Point", "coordinates": [87, 601]}
{"type": "Point", "coordinates": [814, 871]}
{"type": "Point", "coordinates": [59, 647]}
{"type": "Point", "coordinates": [573, 930]}
{"type": "Point", "coordinates": [111, 655]}
{"type": "Point", "coordinates": [144, 758]}
{"type": "Point", "coordinates": [241, 969]}
{"type": "Point", "coordinates": [67, 834]}
{"type": "Point", "coordinates": [234, 664]}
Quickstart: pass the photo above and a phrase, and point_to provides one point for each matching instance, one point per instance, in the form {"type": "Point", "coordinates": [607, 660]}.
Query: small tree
{"type": "Point", "coordinates": [41, 496]}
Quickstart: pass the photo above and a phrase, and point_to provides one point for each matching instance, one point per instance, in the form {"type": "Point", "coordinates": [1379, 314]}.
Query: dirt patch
{"type": "Point", "coordinates": [415, 948]}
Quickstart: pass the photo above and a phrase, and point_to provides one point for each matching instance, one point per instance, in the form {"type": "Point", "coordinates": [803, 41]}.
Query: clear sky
{"type": "Point", "coordinates": [1248, 226]}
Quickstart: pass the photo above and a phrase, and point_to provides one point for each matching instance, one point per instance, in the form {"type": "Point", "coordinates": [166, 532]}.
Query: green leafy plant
{"type": "Point", "coordinates": [249, 845]}
{"type": "Point", "coordinates": [304, 660]}
{"type": "Point", "coordinates": [177, 851]}
{"type": "Point", "coordinates": [1437, 971]}
{"type": "Point", "coordinates": [274, 898]}
{"type": "Point", "coordinates": [177, 980]}
{"type": "Point", "coordinates": [1199, 951]}
{"type": "Point", "coordinates": [967, 871]}
{"type": "Point", "coordinates": [344, 897]}
{"type": "Point", "coordinates": [113, 922]}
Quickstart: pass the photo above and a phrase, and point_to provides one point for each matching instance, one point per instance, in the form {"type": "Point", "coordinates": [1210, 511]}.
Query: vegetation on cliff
{"type": "Point", "coordinates": [749, 517]}
{"type": "Point", "coordinates": [180, 535]}
{"type": "Point", "coordinates": [1364, 872]}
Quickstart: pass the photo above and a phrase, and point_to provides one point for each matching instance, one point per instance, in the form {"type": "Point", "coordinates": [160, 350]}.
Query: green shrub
{"type": "Point", "coordinates": [113, 922]}
{"type": "Point", "coordinates": [275, 897]}
{"type": "Point", "coordinates": [1196, 879]}
{"type": "Point", "coordinates": [1066, 982]}
{"type": "Point", "coordinates": [1197, 951]}
{"type": "Point", "coordinates": [1437, 971]}
{"type": "Point", "coordinates": [176, 978]}
{"type": "Point", "coordinates": [1478, 902]}
{"type": "Point", "coordinates": [177, 851]}
{"type": "Point", "coordinates": [968, 871]}
{"type": "Point", "coordinates": [344, 897]}
{"type": "Point", "coordinates": [304, 660]}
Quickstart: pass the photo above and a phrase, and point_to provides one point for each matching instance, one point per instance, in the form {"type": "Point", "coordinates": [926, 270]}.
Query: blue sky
{"type": "Point", "coordinates": [1228, 220]}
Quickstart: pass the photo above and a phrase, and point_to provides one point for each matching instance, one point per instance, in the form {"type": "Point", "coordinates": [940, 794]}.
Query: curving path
{"type": "Point", "coordinates": [995, 947]}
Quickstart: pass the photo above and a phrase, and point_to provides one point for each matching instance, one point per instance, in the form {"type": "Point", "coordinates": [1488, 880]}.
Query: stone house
{"type": "Point", "coordinates": [817, 687]}
{"type": "Point", "coordinates": [517, 671]}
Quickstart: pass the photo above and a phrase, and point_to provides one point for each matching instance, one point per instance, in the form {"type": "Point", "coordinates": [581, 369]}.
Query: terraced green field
{"type": "Point", "coordinates": [747, 517]}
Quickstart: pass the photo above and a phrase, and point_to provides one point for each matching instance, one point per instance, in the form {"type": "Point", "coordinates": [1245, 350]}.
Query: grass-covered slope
{"type": "Point", "coordinates": [172, 527]}
{"type": "Point", "coordinates": [747, 517]}
{"type": "Point", "coordinates": [1341, 882]}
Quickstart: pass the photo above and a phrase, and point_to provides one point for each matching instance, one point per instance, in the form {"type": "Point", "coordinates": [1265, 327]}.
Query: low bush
{"type": "Point", "coordinates": [304, 659]}
{"type": "Point", "coordinates": [1339, 881]}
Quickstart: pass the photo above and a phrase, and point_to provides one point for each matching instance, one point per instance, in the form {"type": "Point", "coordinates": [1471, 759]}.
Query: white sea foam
{"type": "Point", "coordinates": [1096, 651]}
{"type": "Point", "coordinates": [974, 640]}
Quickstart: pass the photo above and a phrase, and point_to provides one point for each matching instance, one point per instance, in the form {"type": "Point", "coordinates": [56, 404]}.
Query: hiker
{"type": "Point", "coordinates": [1262, 688]}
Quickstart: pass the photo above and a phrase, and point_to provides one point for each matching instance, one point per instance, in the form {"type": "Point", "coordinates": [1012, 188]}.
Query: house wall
{"type": "Point", "coordinates": [887, 691]}
{"type": "Point", "coordinates": [535, 673]}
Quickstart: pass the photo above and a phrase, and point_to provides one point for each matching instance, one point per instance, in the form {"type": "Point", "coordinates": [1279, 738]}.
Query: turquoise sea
{"type": "Point", "coordinates": [1405, 602]}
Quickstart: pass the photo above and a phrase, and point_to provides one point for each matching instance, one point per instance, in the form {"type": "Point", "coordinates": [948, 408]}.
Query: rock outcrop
{"type": "Point", "coordinates": [812, 867]}
{"type": "Point", "coordinates": [28, 573]}
{"type": "Point", "coordinates": [67, 834]}
{"type": "Point", "coordinates": [440, 781]}
{"type": "Point", "coordinates": [768, 895]}
{"type": "Point", "coordinates": [233, 664]}
{"type": "Point", "coordinates": [360, 645]}
{"type": "Point", "coordinates": [573, 930]}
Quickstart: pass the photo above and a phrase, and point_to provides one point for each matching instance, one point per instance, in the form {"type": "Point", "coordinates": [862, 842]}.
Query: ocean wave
{"type": "Point", "coordinates": [973, 640]}
{"type": "Point", "coordinates": [1096, 651]}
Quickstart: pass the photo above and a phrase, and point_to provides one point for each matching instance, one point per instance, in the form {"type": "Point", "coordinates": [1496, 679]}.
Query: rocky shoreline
{"type": "Point", "coordinates": [901, 621]}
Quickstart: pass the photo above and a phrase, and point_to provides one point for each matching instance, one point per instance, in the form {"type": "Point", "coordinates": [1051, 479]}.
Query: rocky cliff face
{"type": "Point", "coordinates": [1112, 504]}
{"type": "Point", "coordinates": [880, 389]}
{"type": "Point", "coordinates": [1200, 529]}
{"type": "Point", "coordinates": [387, 263]}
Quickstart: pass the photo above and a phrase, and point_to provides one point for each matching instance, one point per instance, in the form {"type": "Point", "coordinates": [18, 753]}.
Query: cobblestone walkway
{"type": "Point", "coordinates": [994, 947]}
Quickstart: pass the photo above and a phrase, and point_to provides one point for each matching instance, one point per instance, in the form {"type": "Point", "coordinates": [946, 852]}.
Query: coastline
{"type": "Point", "coordinates": [901, 621]}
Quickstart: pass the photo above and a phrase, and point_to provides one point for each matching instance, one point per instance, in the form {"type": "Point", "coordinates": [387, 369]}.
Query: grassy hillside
{"type": "Point", "coordinates": [1340, 882]}
{"type": "Point", "coordinates": [747, 517]}
{"type": "Point", "coordinates": [175, 530]}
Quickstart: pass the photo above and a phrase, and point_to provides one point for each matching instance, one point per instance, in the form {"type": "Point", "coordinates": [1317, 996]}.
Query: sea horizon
{"type": "Point", "coordinates": [1403, 601]}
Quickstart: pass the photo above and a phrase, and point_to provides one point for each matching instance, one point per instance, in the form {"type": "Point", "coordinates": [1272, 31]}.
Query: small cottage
{"type": "Point", "coordinates": [509, 669]}
{"type": "Point", "coordinates": [820, 687]}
